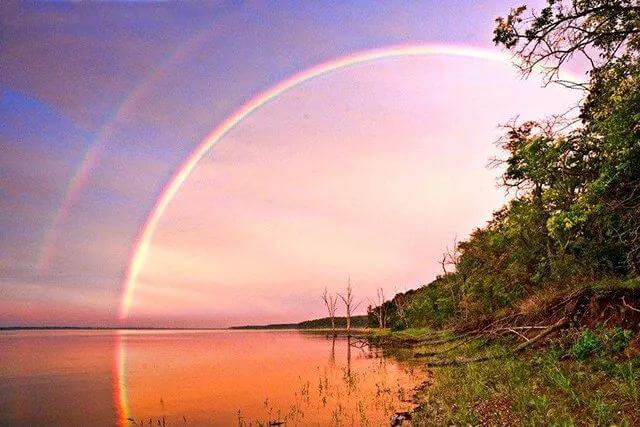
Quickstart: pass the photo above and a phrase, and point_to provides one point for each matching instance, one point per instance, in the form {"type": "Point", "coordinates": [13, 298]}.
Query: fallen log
{"type": "Point", "coordinates": [464, 360]}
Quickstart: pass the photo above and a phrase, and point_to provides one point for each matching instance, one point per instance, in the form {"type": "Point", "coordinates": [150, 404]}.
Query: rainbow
{"type": "Point", "coordinates": [92, 156]}
{"type": "Point", "coordinates": [119, 387]}
{"type": "Point", "coordinates": [77, 183]}
{"type": "Point", "coordinates": [143, 242]}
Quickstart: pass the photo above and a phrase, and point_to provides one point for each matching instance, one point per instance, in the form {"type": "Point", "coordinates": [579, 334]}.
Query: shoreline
{"type": "Point", "coordinates": [533, 368]}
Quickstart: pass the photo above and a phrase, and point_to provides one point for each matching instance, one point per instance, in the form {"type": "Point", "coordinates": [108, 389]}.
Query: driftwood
{"type": "Point", "coordinates": [574, 309]}
{"type": "Point", "coordinates": [629, 305]}
{"type": "Point", "coordinates": [466, 336]}
{"type": "Point", "coordinates": [360, 343]}
{"type": "Point", "coordinates": [464, 360]}
{"type": "Point", "coordinates": [551, 329]}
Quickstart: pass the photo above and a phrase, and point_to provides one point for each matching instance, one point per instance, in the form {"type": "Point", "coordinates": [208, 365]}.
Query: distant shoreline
{"type": "Point", "coordinates": [357, 322]}
{"type": "Point", "coordinates": [103, 328]}
{"type": "Point", "coordinates": [232, 328]}
{"type": "Point", "coordinates": [323, 323]}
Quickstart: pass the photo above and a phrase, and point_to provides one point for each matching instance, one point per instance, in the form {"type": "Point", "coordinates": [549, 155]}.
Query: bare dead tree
{"type": "Point", "coordinates": [443, 263]}
{"type": "Point", "coordinates": [347, 299]}
{"type": "Point", "coordinates": [331, 302]}
{"type": "Point", "coordinates": [450, 257]}
{"type": "Point", "coordinates": [382, 309]}
{"type": "Point", "coordinates": [378, 309]}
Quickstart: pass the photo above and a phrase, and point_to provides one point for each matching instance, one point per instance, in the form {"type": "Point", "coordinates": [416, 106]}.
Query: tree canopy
{"type": "Point", "coordinates": [575, 217]}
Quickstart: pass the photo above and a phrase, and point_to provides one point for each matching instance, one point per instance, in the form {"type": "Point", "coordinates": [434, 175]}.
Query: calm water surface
{"type": "Point", "coordinates": [225, 378]}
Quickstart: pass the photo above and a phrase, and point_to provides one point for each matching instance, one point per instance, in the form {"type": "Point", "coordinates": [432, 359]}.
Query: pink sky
{"type": "Point", "coordinates": [368, 173]}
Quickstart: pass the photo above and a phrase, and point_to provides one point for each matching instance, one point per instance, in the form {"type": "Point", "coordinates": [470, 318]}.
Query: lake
{"type": "Point", "coordinates": [238, 378]}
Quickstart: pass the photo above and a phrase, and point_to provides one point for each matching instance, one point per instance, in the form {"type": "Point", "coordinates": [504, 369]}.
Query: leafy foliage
{"type": "Point", "coordinates": [600, 31]}
{"type": "Point", "coordinates": [585, 345]}
{"type": "Point", "coordinates": [575, 216]}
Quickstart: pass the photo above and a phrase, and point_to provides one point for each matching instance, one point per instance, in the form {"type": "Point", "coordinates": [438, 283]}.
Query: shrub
{"type": "Point", "coordinates": [586, 344]}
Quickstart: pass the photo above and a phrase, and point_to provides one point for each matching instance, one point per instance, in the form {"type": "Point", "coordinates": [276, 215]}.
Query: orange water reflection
{"type": "Point", "coordinates": [197, 378]}
{"type": "Point", "coordinates": [56, 378]}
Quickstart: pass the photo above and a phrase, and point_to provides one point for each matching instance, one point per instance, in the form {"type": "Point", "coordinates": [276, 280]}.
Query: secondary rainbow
{"type": "Point", "coordinates": [95, 151]}
{"type": "Point", "coordinates": [143, 242]}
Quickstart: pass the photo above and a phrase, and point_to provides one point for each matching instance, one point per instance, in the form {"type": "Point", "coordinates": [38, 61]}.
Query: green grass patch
{"type": "Point", "coordinates": [587, 379]}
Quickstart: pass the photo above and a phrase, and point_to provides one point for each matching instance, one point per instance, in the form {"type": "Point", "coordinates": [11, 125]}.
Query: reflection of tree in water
{"type": "Point", "coordinates": [332, 357]}
{"type": "Point", "coordinates": [349, 355]}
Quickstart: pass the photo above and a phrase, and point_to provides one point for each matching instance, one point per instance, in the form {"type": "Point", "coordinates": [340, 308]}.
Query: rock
{"type": "Point", "coordinates": [399, 418]}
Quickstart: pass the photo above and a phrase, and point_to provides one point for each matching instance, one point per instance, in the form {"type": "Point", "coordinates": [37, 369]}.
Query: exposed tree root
{"type": "Point", "coordinates": [551, 329]}
{"type": "Point", "coordinates": [464, 360]}
{"type": "Point", "coordinates": [569, 311]}
{"type": "Point", "coordinates": [583, 307]}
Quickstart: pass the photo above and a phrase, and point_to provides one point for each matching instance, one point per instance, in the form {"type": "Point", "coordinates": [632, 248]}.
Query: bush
{"type": "Point", "coordinates": [601, 341]}
{"type": "Point", "coordinates": [586, 344]}
{"type": "Point", "coordinates": [619, 340]}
